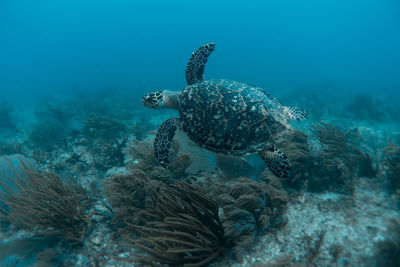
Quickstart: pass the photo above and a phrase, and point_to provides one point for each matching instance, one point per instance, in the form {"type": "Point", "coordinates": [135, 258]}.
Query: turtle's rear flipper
{"type": "Point", "coordinates": [163, 141]}
{"type": "Point", "coordinates": [296, 113]}
{"type": "Point", "coordinates": [276, 160]}
{"type": "Point", "coordinates": [195, 67]}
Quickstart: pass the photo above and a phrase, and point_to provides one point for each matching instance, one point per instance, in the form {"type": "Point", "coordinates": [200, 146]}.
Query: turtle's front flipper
{"type": "Point", "coordinates": [296, 113]}
{"type": "Point", "coordinates": [163, 141]}
{"type": "Point", "coordinates": [276, 160]}
{"type": "Point", "coordinates": [195, 67]}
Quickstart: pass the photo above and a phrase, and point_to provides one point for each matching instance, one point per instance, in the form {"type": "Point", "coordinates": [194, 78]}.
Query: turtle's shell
{"type": "Point", "coordinates": [229, 117]}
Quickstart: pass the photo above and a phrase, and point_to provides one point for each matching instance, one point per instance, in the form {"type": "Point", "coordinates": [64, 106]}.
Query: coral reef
{"type": "Point", "coordinates": [184, 228]}
{"type": "Point", "coordinates": [295, 145]}
{"type": "Point", "coordinates": [56, 110]}
{"type": "Point", "coordinates": [249, 208]}
{"type": "Point", "coordinates": [365, 107]}
{"type": "Point", "coordinates": [46, 205]}
{"type": "Point", "coordinates": [144, 161]}
{"type": "Point", "coordinates": [102, 127]}
{"type": "Point", "coordinates": [13, 146]}
{"type": "Point", "coordinates": [127, 196]}
{"type": "Point", "coordinates": [5, 116]}
{"type": "Point", "coordinates": [142, 128]}
{"type": "Point", "coordinates": [391, 166]}
{"type": "Point", "coordinates": [108, 154]}
{"type": "Point", "coordinates": [48, 135]}
{"type": "Point", "coordinates": [334, 164]}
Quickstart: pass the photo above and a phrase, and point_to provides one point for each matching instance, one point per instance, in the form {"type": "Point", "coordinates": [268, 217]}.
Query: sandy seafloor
{"type": "Point", "coordinates": [320, 227]}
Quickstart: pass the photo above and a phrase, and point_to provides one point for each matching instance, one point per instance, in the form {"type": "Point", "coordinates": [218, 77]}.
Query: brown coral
{"type": "Point", "coordinates": [184, 228]}
{"type": "Point", "coordinates": [391, 166]}
{"type": "Point", "coordinates": [249, 207]}
{"type": "Point", "coordinates": [45, 204]}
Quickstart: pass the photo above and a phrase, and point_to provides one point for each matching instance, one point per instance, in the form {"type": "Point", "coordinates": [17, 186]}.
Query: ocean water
{"type": "Point", "coordinates": [74, 134]}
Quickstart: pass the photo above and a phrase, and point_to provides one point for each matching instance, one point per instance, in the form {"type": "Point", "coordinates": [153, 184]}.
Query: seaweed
{"type": "Point", "coordinates": [46, 205]}
{"type": "Point", "coordinates": [183, 228]}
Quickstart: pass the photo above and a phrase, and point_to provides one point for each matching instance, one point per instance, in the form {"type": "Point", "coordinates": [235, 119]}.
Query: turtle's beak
{"type": "Point", "coordinates": [147, 101]}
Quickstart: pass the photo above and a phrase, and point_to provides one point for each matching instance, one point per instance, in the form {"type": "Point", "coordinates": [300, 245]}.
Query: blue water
{"type": "Point", "coordinates": [72, 77]}
{"type": "Point", "coordinates": [58, 47]}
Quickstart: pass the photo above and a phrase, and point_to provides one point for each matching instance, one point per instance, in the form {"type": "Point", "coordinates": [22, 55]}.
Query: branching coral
{"type": "Point", "coordinates": [46, 205]}
{"type": "Point", "coordinates": [184, 228]}
{"type": "Point", "coordinates": [391, 165]}
{"type": "Point", "coordinates": [249, 207]}
{"type": "Point", "coordinates": [127, 196]}
{"type": "Point", "coordinates": [334, 166]}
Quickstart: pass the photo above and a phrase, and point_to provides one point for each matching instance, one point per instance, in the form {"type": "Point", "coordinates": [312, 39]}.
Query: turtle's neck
{"type": "Point", "coordinates": [171, 99]}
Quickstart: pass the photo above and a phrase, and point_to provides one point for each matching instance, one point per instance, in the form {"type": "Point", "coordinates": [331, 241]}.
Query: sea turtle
{"type": "Point", "coordinates": [223, 116]}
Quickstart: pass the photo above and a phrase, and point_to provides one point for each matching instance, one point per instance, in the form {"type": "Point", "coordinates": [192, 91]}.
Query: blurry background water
{"type": "Point", "coordinates": [60, 47]}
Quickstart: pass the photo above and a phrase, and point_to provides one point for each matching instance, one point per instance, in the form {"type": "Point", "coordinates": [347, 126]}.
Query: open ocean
{"type": "Point", "coordinates": [276, 143]}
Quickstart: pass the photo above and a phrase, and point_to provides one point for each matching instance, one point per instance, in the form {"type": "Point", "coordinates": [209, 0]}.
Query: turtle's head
{"type": "Point", "coordinates": [161, 99]}
{"type": "Point", "coordinates": [153, 100]}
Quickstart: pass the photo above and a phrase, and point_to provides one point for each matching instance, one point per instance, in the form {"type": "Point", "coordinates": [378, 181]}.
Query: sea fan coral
{"type": "Point", "coordinates": [46, 205]}
{"type": "Point", "coordinates": [127, 195]}
{"type": "Point", "coordinates": [334, 165]}
{"type": "Point", "coordinates": [184, 229]}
